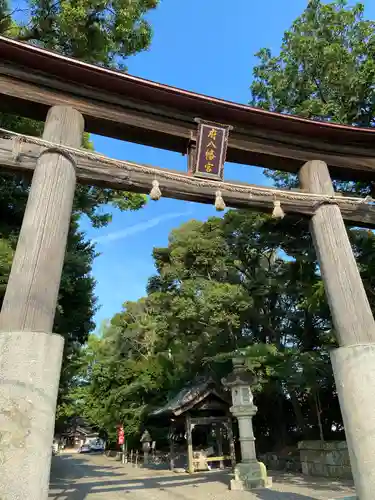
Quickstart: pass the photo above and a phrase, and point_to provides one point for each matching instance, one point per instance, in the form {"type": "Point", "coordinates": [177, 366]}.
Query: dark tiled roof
{"type": "Point", "coordinates": [188, 395]}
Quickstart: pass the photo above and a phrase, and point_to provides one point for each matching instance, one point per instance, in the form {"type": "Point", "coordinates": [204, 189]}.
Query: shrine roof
{"type": "Point", "coordinates": [190, 396]}
{"type": "Point", "coordinates": [78, 425]}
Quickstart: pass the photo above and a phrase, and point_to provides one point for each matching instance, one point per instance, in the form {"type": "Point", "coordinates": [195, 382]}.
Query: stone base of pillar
{"type": "Point", "coordinates": [354, 370]}
{"type": "Point", "coordinates": [30, 364]}
{"type": "Point", "coordinates": [250, 476]}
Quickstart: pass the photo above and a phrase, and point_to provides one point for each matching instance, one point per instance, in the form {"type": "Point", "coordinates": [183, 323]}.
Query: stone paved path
{"type": "Point", "coordinates": [96, 477]}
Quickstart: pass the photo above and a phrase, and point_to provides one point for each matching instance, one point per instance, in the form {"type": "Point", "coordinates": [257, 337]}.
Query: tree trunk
{"type": "Point", "coordinates": [318, 410]}
{"type": "Point", "coordinates": [280, 434]}
{"type": "Point", "coordinates": [298, 413]}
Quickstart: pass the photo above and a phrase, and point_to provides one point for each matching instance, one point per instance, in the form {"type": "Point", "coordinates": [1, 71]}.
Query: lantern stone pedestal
{"type": "Point", "coordinates": [249, 474]}
{"type": "Point", "coordinates": [249, 477]}
{"type": "Point", "coordinates": [146, 441]}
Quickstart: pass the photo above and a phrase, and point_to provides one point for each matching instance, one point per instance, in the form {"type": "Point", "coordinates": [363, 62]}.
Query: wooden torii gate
{"type": "Point", "coordinates": [68, 93]}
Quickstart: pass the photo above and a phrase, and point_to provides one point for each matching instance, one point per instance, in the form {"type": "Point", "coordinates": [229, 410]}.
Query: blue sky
{"type": "Point", "coordinates": [206, 46]}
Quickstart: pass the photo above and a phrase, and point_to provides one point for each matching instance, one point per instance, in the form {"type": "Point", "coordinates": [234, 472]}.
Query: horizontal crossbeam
{"type": "Point", "coordinates": [123, 107]}
{"type": "Point", "coordinates": [213, 459]}
{"type": "Point", "coordinates": [209, 420]}
{"type": "Point", "coordinates": [101, 171]}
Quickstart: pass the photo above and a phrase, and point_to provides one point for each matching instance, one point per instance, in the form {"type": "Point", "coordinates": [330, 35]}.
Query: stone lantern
{"type": "Point", "coordinates": [249, 473]}
{"type": "Point", "coordinates": [146, 441]}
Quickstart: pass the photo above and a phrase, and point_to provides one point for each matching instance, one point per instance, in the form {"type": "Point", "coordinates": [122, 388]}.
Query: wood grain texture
{"type": "Point", "coordinates": [171, 448]}
{"type": "Point", "coordinates": [189, 440]}
{"type": "Point", "coordinates": [115, 116]}
{"type": "Point", "coordinates": [232, 448]}
{"type": "Point", "coordinates": [351, 313]}
{"type": "Point", "coordinates": [32, 291]}
{"type": "Point", "coordinates": [219, 443]}
{"type": "Point", "coordinates": [94, 172]}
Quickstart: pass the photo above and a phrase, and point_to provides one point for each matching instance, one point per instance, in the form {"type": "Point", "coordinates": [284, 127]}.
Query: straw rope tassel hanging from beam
{"type": "Point", "coordinates": [278, 212]}
{"type": "Point", "coordinates": [219, 202]}
{"type": "Point", "coordinates": [155, 193]}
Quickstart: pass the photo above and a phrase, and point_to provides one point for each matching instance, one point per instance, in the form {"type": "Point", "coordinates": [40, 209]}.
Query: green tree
{"type": "Point", "coordinates": [325, 70]}
{"type": "Point", "coordinates": [95, 31]}
{"type": "Point", "coordinates": [222, 286]}
{"type": "Point", "coordinates": [118, 374]}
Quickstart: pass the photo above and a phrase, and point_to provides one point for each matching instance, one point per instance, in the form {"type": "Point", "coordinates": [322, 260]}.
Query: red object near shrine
{"type": "Point", "coordinates": [120, 435]}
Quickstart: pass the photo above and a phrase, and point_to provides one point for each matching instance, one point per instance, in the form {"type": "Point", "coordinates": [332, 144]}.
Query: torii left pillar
{"type": "Point", "coordinates": [30, 354]}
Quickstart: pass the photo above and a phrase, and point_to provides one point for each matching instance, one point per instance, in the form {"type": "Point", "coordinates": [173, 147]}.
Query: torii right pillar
{"type": "Point", "coordinates": [354, 361]}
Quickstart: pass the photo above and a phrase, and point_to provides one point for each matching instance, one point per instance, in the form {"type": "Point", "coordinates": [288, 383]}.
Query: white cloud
{"type": "Point", "coordinates": [137, 228]}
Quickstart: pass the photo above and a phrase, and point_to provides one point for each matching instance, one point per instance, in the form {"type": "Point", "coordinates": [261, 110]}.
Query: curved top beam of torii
{"type": "Point", "coordinates": [119, 105]}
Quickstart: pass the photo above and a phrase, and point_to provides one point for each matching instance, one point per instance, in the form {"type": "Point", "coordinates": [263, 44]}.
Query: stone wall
{"type": "Point", "coordinates": [288, 462]}
{"type": "Point", "coordinates": [325, 459]}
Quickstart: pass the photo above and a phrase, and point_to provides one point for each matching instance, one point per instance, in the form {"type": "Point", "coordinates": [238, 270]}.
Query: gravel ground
{"type": "Point", "coordinates": [96, 477]}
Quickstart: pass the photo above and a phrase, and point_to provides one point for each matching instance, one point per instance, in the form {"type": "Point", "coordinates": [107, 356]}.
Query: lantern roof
{"type": "Point", "coordinates": [240, 375]}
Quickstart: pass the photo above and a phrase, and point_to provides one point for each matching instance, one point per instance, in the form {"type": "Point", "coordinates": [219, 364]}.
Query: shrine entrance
{"type": "Point", "coordinates": [71, 97]}
{"type": "Point", "coordinates": [205, 407]}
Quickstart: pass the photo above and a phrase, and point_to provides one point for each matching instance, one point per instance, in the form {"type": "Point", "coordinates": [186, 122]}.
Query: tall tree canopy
{"type": "Point", "coordinates": [325, 69]}
{"type": "Point", "coordinates": [222, 286]}
{"type": "Point", "coordinates": [95, 31]}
